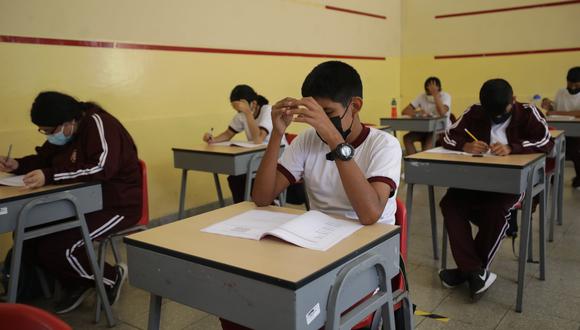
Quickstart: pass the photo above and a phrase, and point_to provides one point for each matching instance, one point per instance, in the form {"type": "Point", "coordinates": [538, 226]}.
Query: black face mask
{"type": "Point", "coordinates": [573, 91]}
{"type": "Point", "coordinates": [337, 123]}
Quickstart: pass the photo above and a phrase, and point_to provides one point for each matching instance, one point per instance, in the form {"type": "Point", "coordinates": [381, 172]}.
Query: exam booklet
{"type": "Point", "coordinates": [12, 180]}
{"type": "Point", "coordinates": [312, 230]}
{"type": "Point", "coordinates": [239, 144]}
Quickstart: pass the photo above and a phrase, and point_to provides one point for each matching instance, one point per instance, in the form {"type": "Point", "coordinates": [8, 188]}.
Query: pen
{"type": "Point", "coordinates": [472, 136]}
{"type": "Point", "coordinates": [9, 152]}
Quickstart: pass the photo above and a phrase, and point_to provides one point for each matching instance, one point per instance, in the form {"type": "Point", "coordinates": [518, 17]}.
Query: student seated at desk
{"type": "Point", "coordinates": [432, 103]}
{"type": "Point", "coordinates": [567, 102]}
{"type": "Point", "coordinates": [502, 127]}
{"type": "Point", "coordinates": [84, 144]}
{"type": "Point", "coordinates": [253, 117]}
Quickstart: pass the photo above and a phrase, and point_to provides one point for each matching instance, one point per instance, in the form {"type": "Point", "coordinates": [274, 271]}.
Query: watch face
{"type": "Point", "coordinates": [345, 151]}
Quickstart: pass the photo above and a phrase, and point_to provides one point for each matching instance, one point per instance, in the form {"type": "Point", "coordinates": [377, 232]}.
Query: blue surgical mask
{"type": "Point", "coordinates": [59, 138]}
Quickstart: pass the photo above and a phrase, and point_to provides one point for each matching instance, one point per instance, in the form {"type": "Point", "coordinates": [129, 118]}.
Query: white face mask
{"type": "Point", "coordinates": [431, 98]}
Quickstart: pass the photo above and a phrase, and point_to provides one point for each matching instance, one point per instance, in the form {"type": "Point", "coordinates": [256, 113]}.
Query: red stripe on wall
{"type": "Point", "coordinates": [356, 12]}
{"type": "Point", "coordinates": [521, 52]}
{"type": "Point", "coordinates": [123, 45]}
{"type": "Point", "coordinates": [497, 10]}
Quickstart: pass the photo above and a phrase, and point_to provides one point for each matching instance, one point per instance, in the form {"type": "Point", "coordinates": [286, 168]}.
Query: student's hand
{"type": "Point", "coordinates": [476, 147]}
{"type": "Point", "coordinates": [242, 106]}
{"type": "Point", "coordinates": [34, 179]}
{"type": "Point", "coordinates": [547, 104]}
{"type": "Point", "coordinates": [207, 137]}
{"type": "Point", "coordinates": [281, 116]}
{"type": "Point", "coordinates": [312, 114]}
{"type": "Point", "coordinates": [433, 89]}
{"type": "Point", "coordinates": [499, 149]}
{"type": "Point", "coordinates": [8, 164]}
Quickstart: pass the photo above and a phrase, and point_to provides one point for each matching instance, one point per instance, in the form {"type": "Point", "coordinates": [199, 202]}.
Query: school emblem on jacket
{"type": "Point", "coordinates": [73, 156]}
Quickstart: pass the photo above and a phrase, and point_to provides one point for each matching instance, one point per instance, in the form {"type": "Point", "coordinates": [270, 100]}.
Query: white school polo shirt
{"type": "Point", "coordinates": [565, 101]}
{"type": "Point", "coordinates": [423, 102]}
{"type": "Point", "coordinates": [263, 119]}
{"type": "Point", "coordinates": [378, 155]}
{"type": "Point", "coordinates": [498, 133]}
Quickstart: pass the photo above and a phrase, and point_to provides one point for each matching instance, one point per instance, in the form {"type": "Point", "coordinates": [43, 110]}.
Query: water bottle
{"type": "Point", "coordinates": [394, 108]}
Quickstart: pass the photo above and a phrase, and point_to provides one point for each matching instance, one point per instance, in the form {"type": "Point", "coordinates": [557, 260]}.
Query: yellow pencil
{"type": "Point", "coordinates": [472, 136]}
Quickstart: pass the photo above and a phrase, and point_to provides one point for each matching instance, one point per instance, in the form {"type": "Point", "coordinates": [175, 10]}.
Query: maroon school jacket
{"type": "Point", "coordinates": [102, 150]}
{"type": "Point", "coordinates": [526, 133]}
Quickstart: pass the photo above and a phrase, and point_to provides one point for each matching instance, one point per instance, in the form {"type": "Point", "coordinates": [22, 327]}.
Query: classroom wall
{"type": "Point", "coordinates": [170, 97]}
{"type": "Point", "coordinates": [541, 28]}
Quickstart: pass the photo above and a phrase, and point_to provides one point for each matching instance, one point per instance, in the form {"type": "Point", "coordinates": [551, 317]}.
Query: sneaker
{"type": "Point", "coordinates": [113, 292]}
{"type": "Point", "coordinates": [72, 299]}
{"type": "Point", "coordinates": [480, 281]}
{"type": "Point", "coordinates": [451, 278]}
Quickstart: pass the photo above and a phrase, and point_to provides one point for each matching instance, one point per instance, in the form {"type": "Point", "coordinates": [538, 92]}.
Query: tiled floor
{"type": "Point", "coordinates": [553, 304]}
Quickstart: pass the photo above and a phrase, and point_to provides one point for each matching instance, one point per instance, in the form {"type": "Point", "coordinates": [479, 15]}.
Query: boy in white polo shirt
{"type": "Point", "coordinates": [349, 170]}
{"type": "Point", "coordinates": [432, 103]}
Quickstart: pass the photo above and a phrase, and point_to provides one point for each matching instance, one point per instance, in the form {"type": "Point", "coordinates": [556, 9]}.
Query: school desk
{"type": "Point", "coordinates": [47, 207]}
{"type": "Point", "coordinates": [570, 126]}
{"type": "Point", "coordinates": [217, 160]}
{"type": "Point", "coordinates": [431, 125]}
{"type": "Point", "coordinates": [513, 174]}
{"type": "Point", "coordinates": [266, 284]}
{"type": "Point", "coordinates": [557, 202]}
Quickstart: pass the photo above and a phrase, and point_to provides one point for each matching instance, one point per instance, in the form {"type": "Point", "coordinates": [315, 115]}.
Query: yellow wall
{"type": "Point", "coordinates": [168, 99]}
{"type": "Point", "coordinates": [542, 28]}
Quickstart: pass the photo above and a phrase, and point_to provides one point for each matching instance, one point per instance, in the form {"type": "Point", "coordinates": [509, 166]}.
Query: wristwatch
{"type": "Point", "coordinates": [343, 151]}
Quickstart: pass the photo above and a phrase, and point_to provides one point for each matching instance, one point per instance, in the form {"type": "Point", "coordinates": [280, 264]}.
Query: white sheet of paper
{"type": "Point", "coordinates": [241, 144]}
{"type": "Point", "coordinates": [12, 181]}
{"type": "Point", "coordinates": [441, 150]}
{"type": "Point", "coordinates": [561, 117]}
{"type": "Point", "coordinates": [251, 224]}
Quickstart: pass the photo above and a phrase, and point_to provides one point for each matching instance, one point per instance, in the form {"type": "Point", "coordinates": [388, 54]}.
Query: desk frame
{"type": "Point", "coordinates": [507, 179]}
{"type": "Point", "coordinates": [432, 125]}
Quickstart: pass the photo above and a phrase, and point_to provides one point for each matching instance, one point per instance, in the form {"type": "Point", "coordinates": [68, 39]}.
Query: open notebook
{"type": "Point", "coordinates": [12, 180]}
{"type": "Point", "coordinates": [238, 144]}
{"type": "Point", "coordinates": [312, 230]}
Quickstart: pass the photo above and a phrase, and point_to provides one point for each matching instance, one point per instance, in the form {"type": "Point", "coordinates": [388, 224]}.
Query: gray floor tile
{"type": "Point", "coordinates": [532, 321]}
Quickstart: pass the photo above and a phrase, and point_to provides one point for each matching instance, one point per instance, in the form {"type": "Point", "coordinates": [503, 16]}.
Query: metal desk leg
{"type": "Point", "coordinates": [409, 205]}
{"type": "Point", "coordinates": [218, 187]}
{"type": "Point", "coordinates": [531, 239]}
{"type": "Point", "coordinates": [154, 312]}
{"type": "Point", "coordinates": [560, 208]}
{"type": "Point", "coordinates": [553, 189]}
{"type": "Point", "coordinates": [526, 217]}
{"type": "Point", "coordinates": [433, 215]}
{"type": "Point", "coordinates": [182, 193]}
{"type": "Point", "coordinates": [543, 199]}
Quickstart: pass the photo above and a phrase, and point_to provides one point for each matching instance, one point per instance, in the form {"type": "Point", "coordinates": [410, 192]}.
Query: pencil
{"type": "Point", "coordinates": [9, 152]}
{"type": "Point", "coordinates": [472, 136]}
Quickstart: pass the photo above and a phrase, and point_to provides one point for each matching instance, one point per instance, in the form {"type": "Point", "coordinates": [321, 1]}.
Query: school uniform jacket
{"type": "Point", "coordinates": [102, 150]}
{"type": "Point", "coordinates": [527, 131]}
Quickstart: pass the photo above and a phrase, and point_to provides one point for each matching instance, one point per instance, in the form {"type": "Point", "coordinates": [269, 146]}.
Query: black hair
{"type": "Point", "coordinates": [243, 92]}
{"type": "Point", "coordinates": [573, 75]}
{"type": "Point", "coordinates": [432, 79]}
{"type": "Point", "coordinates": [495, 95]}
{"type": "Point", "coordinates": [53, 108]}
{"type": "Point", "coordinates": [262, 101]}
{"type": "Point", "coordinates": [335, 80]}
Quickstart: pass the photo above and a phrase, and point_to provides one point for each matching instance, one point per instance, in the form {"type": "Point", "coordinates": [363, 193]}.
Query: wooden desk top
{"type": "Point", "coordinates": [556, 133]}
{"type": "Point", "coordinates": [14, 193]}
{"type": "Point", "coordinates": [575, 120]}
{"type": "Point", "coordinates": [269, 259]}
{"type": "Point", "coordinates": [222, 150]}
{"type": "Point", "coordinates": [517, 161]}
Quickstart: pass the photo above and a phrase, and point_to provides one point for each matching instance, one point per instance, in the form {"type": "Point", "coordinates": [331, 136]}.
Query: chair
{"type": "Point", "coordinates": [110, 239]}
{"type": "Point", "coordinates": [19, 316]}
{"type": "Point", "coordinates": [401, 297]}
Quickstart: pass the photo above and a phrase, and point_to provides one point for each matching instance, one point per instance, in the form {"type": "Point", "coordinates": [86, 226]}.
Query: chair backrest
{"type": "Point", "coordinates": [19, 316]}
{"type": "Point", "coordinates": [144, 220]}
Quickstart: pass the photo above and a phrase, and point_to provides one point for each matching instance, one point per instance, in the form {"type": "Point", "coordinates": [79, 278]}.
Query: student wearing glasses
{"type": "Point", "coordinates": [84, 143]}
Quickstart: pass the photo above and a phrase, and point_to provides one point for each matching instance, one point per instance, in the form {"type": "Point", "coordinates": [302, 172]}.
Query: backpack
{"type": "Point", "coordinates": [29, 287]}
